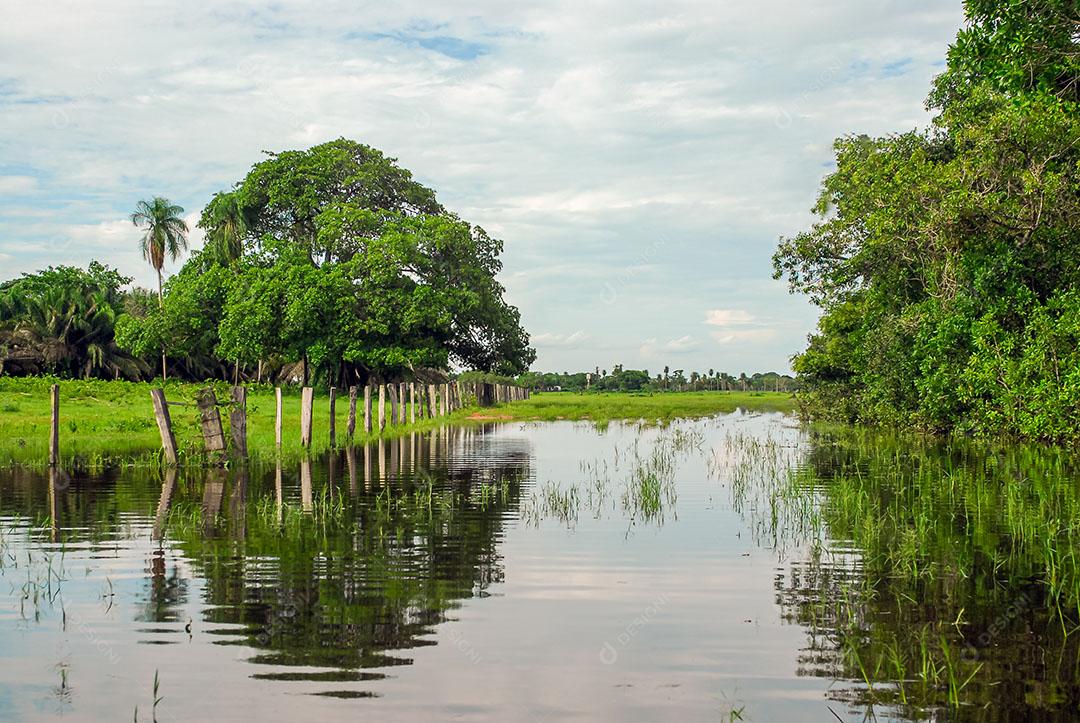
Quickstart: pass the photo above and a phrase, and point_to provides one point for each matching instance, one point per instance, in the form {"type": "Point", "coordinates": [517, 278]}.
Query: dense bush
{"type": "Point", "coordinates": [947, 261]}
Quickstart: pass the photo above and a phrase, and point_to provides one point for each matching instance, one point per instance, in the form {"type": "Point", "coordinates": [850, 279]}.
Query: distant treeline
{"type": "Point", "coordinates": [946, 262]}
{"type": "Point", "coordinates": [619, 379]}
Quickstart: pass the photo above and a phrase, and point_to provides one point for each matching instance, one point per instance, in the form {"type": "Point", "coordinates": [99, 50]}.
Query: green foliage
{"type": "Point", "coordinates": [61, 321]}
{"type": "Point", "coordinates": [335, 257]}
{"type": "Point", "coordinates": [225, 221]}
{"type": "Point", "coordinates": [164, 231]}
{"type": "Point", "coordinates": [945, 261]}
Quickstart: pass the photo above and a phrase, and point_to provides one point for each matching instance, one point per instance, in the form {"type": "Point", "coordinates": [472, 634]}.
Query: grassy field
{"type": "Point", "coordinates": [102, 420]}
{"type": "Point", "coordinates": [650, 407]}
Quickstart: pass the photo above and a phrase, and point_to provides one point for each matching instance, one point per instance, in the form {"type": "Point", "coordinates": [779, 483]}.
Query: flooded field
{"type": "Point", "coordinates": [733, 568]}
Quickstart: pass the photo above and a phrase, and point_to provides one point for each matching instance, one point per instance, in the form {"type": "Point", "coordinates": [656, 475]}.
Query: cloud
{"type": "Point", "coordinates": [15, 185]}
{"type": "Point", "coordinates": [682, 345]}
{"type": "Point", "coordinates": [565, 341]}
{"type": "Point", "coordinates": [728, 317]}
{"type": "Point", "coordinates": [578, 134]}
{"type": "Point", "coordinates": [743, 336]}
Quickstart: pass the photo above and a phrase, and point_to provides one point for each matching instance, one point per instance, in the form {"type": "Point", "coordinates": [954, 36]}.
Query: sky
{"type": "Point", "coordinates": [639, 160]}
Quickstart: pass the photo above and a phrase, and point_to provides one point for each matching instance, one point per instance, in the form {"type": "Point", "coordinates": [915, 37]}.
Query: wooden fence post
{"type": "Point", "coordinates": [431, 400]}
{"type": "Point", "coordinates": [54, 430]}
{"type": "Point", "coordinates": [401, 398]}
{"type": "Point", "coordinates": [382, 407]}
{"type": "Point", "coordinates": [367, 409]}
{"type": "Point", "coordinates": [238, 421]}
{"type": "Point", "coordinates": [307, 402]}
{"type": "Point", "coordinates": [164, 423]}
{"type": "Point", "coordinates": [306, 496]}
{"type": "Point", "coordinates": [350, 427]}
{"type": "Point", "coordinates": [277, 418]}
{"type": "Point", "coordinates": [391, 390]}
{"type": "Point", "coordinates": [210, 418]}
{"type": "Point", "coordinates": [444, 402]}
{"type": "Point", "coordinates": [412, 402]}
{"type": "Point", "coordinates": [333, 417]}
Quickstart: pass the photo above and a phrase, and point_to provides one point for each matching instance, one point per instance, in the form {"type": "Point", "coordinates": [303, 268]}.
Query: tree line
{"type": "Point", "coordinates": [329, 264]}
{"type": "Point", "coordinates": [946, 260]}
{"type": "Point", "coordinates": [619, 379]}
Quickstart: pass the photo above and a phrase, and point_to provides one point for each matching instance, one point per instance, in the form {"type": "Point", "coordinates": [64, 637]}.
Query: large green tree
{"type": "Point", "coordinates": [339, 261]}
{"type": "Point", "coordinates": [946, 262]}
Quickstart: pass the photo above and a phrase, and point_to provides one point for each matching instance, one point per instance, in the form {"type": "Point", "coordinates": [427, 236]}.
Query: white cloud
{"type": "Point", "coordinates": [743, 336]}
{"type": "Point", "coordinates": [578, 133]}
{"type": "Point", "coordinates": [565, 341]}
{"type": "Point", "coordinates": [728, 317]}
{"type": "Point", "coordinates": [684, 344]}
{"type": "Point", "coordinates": [16, 185]}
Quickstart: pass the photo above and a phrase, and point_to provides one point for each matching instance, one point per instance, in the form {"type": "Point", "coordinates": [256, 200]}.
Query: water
{"type": "Point", "coordinates": [543, 572]}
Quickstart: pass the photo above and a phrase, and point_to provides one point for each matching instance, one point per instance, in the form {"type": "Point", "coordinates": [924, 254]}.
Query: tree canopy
{"type": "Point", "coordinates": [60, 321]}
{"type": "Point", "coordinates": [335, 257]}
{"type": "Point", "coordinates": [946, 260]}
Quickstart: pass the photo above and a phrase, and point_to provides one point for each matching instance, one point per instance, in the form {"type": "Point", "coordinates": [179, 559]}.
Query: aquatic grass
{"type": "Point", "coordinates": [963, 551]}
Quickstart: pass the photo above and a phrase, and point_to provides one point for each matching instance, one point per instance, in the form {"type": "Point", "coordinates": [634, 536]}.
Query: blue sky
{"type": "Point", "coordinates": [639, 160]}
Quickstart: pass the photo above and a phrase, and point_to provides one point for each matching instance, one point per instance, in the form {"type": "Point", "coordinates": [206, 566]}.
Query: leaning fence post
{"type": "Point", "coordinates": [54, 430]}
{"type": "Point", "coordinates": [210, 418]}
{"type": "Point", "coordinates": [164, 423]}
{"type": "Point", "coordinates": [333, 417]}
{"type": "Point", "coordinates": [307, 400]}
{"type": "Point", "coordinates": [277, 418]}
{"type": "Point", "coordinates": [238, 421]}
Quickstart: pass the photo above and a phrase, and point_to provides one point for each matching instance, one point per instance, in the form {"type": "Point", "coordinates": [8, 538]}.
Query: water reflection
{"type": "Point", "coordinates": [946, 578]}
{"type": "Point", "coordinates": [736, 567]}
{"type": "Point", "coordinates": [334, 584]}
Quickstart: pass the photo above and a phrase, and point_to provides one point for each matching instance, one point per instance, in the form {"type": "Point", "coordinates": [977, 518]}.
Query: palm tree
{"type": "Point", "coordinates": [225, 225]}
{"type": "Point", "coordinates": [164, 234]}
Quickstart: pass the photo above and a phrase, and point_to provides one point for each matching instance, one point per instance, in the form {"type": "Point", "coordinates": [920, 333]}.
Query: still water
{"type": "Point", "coordinates": [708, 570]}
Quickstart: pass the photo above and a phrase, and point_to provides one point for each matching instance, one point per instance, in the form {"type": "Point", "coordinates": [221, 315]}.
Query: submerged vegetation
{"type": "Point", "coordinates": [933, 578]}
{"type": "Point", "coordinates": [946, 261]}
{"type": "Point", "coordinates": [934, 570]}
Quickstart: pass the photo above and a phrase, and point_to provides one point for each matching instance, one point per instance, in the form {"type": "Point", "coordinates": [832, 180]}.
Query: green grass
{"type": "Point", "coordinates": [659, 407]}
{"type": "Point", "coordinates": [114, 420]}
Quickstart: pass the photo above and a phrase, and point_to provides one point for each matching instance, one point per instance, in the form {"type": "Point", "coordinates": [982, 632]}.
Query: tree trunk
{"type": "Point", "coordinates": [305, 370]}
{"type": "Point", "coordinates": [161, 305]}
